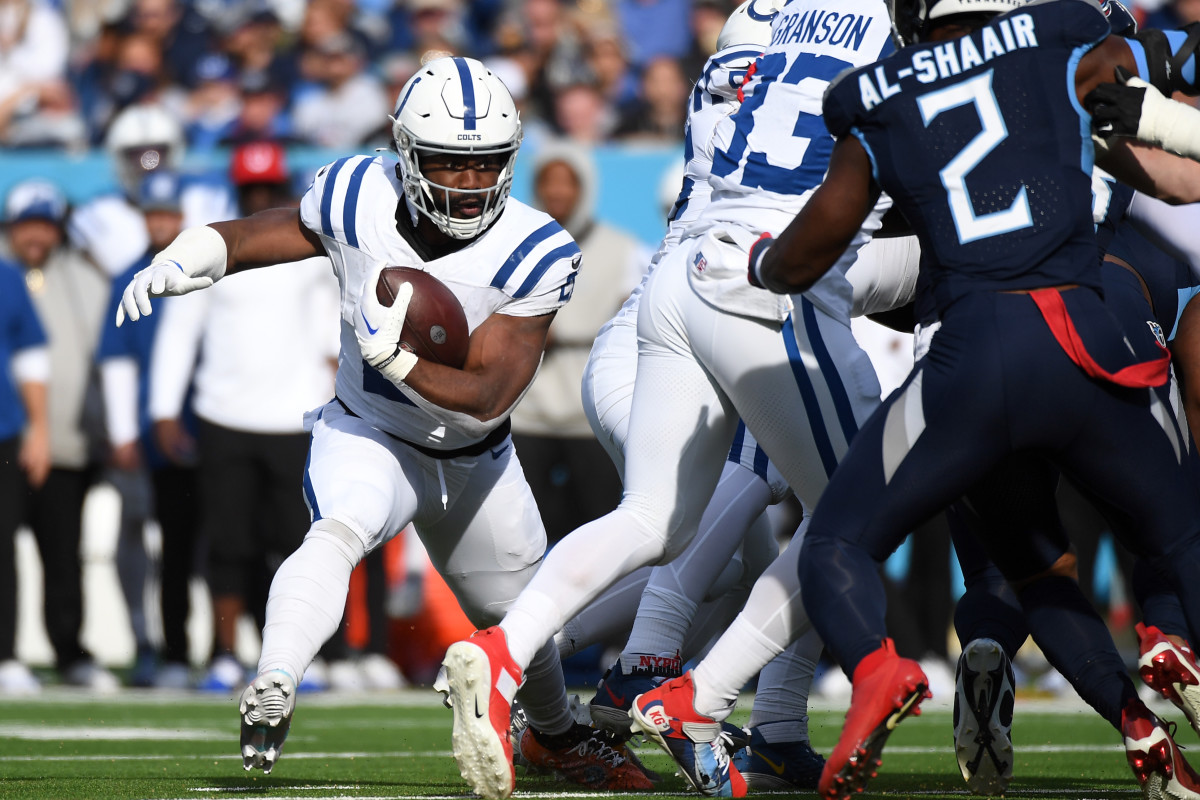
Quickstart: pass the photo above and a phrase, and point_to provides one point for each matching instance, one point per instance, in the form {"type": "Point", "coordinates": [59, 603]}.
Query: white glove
{"type": "Point", "coordinates": [377, 328]}
{"type": "Point", "coordinates": [193, 261]}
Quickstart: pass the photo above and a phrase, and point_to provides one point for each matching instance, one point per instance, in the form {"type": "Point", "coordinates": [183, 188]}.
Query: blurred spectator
{"type": "Point", "coordinates": [567, 469]}
{"type": "Point", "coordinates": [467, 27]}
{"type": "Point", "coordinates": [582, 114]}
{"type": "Point", "coordinates": [432, 24]}
{"type": "Point", "coordinates": [266, 356]}
{"type": "Point", "coordinates": [607, 59]}
{"type": "Point", "coordinates": [550, 49]}
{"type": "Point", "coordinates": [69, 295]}
{"type": "Point", "coordinates": [110, 229]}
{"type": "Point", "coordinates": [179, 34]}
{"type": "Point", "coordinates": [37, 107]}
{"type": "Point", "coordinates": [661, 111]}
{"type": "Point", "coordinates": [263, 112]}
{"type": "Point", "coordinates": [655, 28]}
{"type": "Point", "coordinates": [214, 104]}
{"type": "Point", "coordinates": [24, 451]}
{"type": "Point", "coordinates": [252, 36]}
{"type": "Point", "coordinates": [168, 492]}
{"type": "Point", "coordinates": [707, 18]}
{"type": "Point", "coordinates": [347, 107]}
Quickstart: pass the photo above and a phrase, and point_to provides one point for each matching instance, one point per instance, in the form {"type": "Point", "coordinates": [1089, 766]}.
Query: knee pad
{"type": "Point", "coordinates": [347, 542]}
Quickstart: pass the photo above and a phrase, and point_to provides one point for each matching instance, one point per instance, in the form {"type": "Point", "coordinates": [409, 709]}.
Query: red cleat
{"type": "Point", "coordinates": [482, 679]}
{"type": "Point", "coordinates": [887, 688]}
{"type": "Point", "coordinates": [1154, 758]}
{"type": "Point", "coordinates": [1170, 670]}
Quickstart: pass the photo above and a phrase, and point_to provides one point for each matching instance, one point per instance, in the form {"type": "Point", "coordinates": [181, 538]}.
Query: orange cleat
{"type": "Point", "coordinates": [887, 688]}
{"type": "Point", "coordinates": [482, 679]}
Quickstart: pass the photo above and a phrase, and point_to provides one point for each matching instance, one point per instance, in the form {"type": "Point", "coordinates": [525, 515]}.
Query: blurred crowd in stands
{"type": "Point", "coordinates": [327, 72]}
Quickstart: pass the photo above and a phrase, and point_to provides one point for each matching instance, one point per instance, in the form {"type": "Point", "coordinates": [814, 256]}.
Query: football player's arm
{"type": "Point", "coordinates": [824, 228]}
{"type": "Point", "coordinates": [1151, 170]}
{"type": "Point", "coordinates": [1125, 106]}
{"type": "Point", "coordinates": [502, 359]}
{"type": "Point", "coordinates": [202, 255]}
{"type": "Point", "coordinates": [1185, 349]}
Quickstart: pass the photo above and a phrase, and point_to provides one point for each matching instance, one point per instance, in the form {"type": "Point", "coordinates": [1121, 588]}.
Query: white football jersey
{"type": "Point", "coordinates": [523, 265]}
{"type": "Point", "coordinates": [713, 98]}
{"type": "Point", "coordinates": [773, 153]}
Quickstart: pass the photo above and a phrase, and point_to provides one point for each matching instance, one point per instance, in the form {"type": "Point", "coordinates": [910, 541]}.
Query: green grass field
{"type": "Point", "coordinates": [65, 746]}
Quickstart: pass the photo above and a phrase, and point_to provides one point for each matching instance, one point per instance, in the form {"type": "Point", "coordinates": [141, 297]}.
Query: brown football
{"type": "Point", "coordinates": [435, 327]}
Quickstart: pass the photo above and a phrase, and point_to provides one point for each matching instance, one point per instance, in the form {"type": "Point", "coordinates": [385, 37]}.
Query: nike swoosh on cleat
{"type": "Point", "coordinates": [778, 768]}
{"type": "Point", "coordinates": [619, 701]}
{"type": "Point", "coordinates": [370, 330]}
{"type": "Point", "coordinates": [497, 453]}
{"type": "Point", "coordinates": [478, 713]}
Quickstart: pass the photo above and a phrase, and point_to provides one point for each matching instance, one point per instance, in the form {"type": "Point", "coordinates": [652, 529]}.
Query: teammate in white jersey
{"type": "Point", "coordinates": [735, 541]}
{"type": "Point", "coordinates": [710, 348]}
{"type": "Point", "coordinates": [406, 439]}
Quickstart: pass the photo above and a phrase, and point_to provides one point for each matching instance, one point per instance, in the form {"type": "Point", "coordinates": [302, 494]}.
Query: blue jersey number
{"type": "Point", "coordinates": [977, 92]}
{"type": "Point", "coordinates": [763, 117]}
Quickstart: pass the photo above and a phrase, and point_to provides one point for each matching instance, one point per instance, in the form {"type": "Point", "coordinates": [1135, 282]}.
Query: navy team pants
{"type": "Point", "coordinates": [995, 384]}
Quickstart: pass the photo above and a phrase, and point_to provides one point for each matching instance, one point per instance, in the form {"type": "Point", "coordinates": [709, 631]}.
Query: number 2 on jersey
{"type": "Point", "coordinates": [978, 92]}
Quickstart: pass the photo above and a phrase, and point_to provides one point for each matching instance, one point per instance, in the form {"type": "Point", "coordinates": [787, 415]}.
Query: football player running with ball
{"type": "Point", "coordinates": [407, 439]}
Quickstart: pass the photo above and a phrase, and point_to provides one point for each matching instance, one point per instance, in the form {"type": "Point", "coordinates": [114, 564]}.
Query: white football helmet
{"type": "Point", "coordinates": [750, 24]}
{"type": "Point", "coordinates": [910, 18]}
{"type": "Point", "coordinates": [455, 105]}
{"type": "Point", "coordinates": [141, 139]}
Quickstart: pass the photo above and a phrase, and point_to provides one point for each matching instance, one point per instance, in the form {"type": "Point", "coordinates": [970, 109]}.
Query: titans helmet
{"type": "Point", "coordinates": [1120, 19]}
{"type": "Point", "coordinates": [455, 106]}
{"type": "Point", "coordinates": [910, 18]}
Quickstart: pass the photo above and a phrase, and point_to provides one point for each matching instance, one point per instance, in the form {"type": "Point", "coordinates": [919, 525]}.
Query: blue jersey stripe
{"type": "Point", "coordinates": [348, 215]}
{"type": "Point", "coordinates": [407, 94]}
{"type": "Point", "coordinates": [816, 421]}
{"type": "Point", "coordinates": [760, 461]}
{"type": "Point", "coordinates": [327, 197]}
{"type": "Point", "coordinates": [310, 494]}
{"type": "Point", "coordinates": [568, 250]}
{"type": "Point", "coordinates": [523, 250]}
{"type": "Point", "coordinates": [739, 441]}
{"type": "Point", "coordinates": [833, 379]}
{"type": "Point", "coordinates": [468, 89]}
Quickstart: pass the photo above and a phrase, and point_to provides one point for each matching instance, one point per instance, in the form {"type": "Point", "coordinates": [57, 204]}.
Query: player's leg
{"type": "Point", "coordinates": [907, 463]}
{"type": "Point", "coordinates": [362, 487]}
{"type": "Point", "coordinates": [808, 412]}
{"type": "Point", "coordinates": [607, 388]}
{"type": "Point", "coordinates": [487, 545]}
{"type": "Point", "coordinates": [675, 591]}
{"type": "Point", "coordinates": [680, 430]}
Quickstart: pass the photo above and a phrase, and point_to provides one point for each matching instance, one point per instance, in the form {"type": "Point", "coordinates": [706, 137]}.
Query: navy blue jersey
{"type": "Point", "coordinates": [20, 329]}
{"type": "Point", "coordinates": [1169, 281]}
{"type": "Point", "coordinates": [991, 166]}
{"type": "Point", "coordinates": [1110, 204]}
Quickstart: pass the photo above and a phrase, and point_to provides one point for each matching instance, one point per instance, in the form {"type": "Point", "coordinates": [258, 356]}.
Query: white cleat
{"type": "Point", "coordinates": [482, 679]}
{"type": "Point", "coordinates": [983, 713]}
{"type": "Point", "coordinates": [266, 715]}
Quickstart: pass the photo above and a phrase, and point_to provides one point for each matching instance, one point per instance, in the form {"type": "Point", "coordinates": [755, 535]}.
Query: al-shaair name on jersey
{"type": "Point", "coordinates": [523, 265]}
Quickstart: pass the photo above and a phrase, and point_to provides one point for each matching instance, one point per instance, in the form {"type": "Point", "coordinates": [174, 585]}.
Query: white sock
{"type": "Point", "coordinates": [781, 702]}
{"type": "Point", "coordinates": [772, 619]}
{"type": "Point", "coordinates": [308, 598]}
{"type": "Point", "coordinates": [675, 591]}
{"type": "Point", "coordinates": [576, 570]}
{"type": "Point", "coordinates": [606, 618]}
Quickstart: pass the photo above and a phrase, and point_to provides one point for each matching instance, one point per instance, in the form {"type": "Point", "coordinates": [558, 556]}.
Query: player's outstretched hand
{"type": "Point", "coordinates": [377, 328]}
{"type": "Point", "coordinates": [1116, 108]}
{"type": "Point", "coordinates": [161, 278]}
